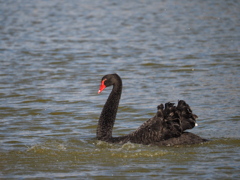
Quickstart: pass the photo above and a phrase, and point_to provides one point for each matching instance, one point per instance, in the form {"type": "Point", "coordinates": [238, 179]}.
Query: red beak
{"type": "Point", "coordinates": [102, 86]}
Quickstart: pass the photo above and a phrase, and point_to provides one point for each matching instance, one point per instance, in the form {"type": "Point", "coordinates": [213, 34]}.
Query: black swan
{"type": "Point", "coordinates": [166, 128]}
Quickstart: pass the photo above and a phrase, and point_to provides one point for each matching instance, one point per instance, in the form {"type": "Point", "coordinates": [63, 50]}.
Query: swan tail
{"type": "Point", "coordinates": [187, 118]}
{"type": "Point", "coordinates": [179, 117]}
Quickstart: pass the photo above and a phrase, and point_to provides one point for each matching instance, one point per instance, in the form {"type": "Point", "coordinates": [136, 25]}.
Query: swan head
{"type": "Point", "coordinates": [108, 80]}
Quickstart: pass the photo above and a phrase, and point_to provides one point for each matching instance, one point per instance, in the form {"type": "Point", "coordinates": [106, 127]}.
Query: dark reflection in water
{"type": "Point", "coordinates": [53, 55]}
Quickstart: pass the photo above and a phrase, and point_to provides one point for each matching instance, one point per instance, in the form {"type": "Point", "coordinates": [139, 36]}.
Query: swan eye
{"type": "Point", "coordinates": [104, 80]}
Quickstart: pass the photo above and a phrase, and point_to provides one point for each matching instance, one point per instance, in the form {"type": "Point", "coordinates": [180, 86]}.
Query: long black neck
{"type": "Point", "coordinates": [109, 111]}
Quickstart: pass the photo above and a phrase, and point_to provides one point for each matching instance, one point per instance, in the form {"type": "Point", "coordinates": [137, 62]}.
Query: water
{"type": "Point", "coordinates": [53, 55]}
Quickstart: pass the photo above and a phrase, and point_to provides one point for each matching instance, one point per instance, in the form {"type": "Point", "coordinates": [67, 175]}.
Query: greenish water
{"type": "Point", "coordinates": [53, 55]}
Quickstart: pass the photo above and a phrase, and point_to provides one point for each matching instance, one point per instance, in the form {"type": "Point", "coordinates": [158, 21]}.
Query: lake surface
{"type": "Point", "coordinates": [53, 55]}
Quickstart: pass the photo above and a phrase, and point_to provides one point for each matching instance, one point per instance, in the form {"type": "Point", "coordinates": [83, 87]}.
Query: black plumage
{"type": "Point", "coordinates": [167, 127]}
